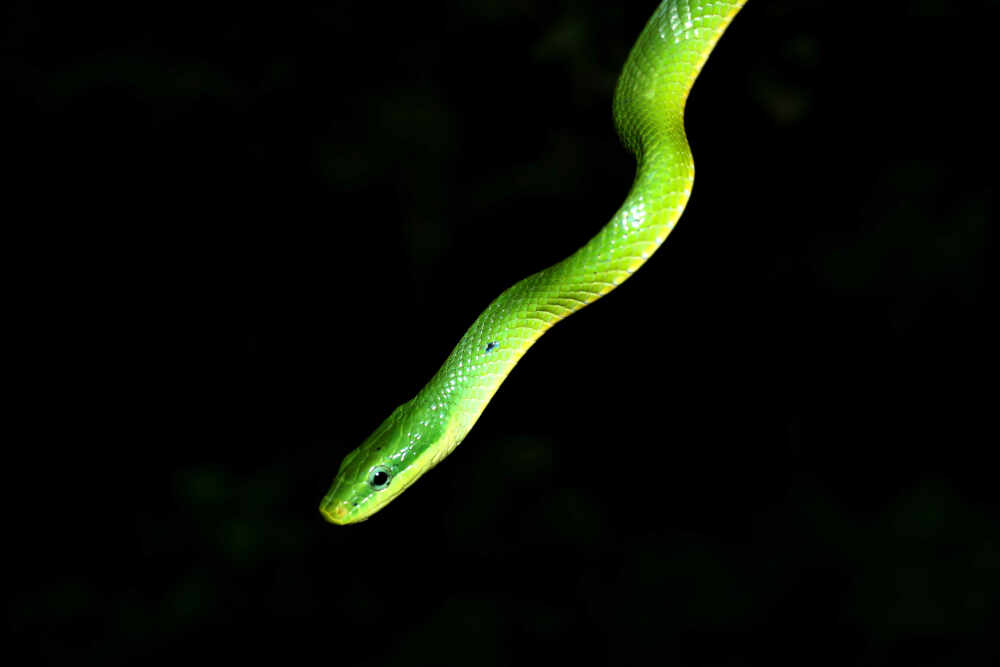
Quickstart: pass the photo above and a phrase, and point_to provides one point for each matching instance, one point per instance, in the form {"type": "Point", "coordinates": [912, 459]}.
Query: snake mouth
{"type": "Point", "coordinates": [337, 512]}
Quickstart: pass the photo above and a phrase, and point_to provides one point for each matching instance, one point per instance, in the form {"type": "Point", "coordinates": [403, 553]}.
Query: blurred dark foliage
{"type": "Point", "coordinates": [239, 235]}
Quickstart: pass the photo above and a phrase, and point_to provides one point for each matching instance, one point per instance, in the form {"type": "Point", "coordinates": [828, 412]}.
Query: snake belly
{"type": "Point", "coordinates": [649, 116]}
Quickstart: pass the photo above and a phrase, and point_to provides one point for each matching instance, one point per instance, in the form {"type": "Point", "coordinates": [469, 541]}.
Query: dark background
{"type": "Point", "coordinates": [244, 234]}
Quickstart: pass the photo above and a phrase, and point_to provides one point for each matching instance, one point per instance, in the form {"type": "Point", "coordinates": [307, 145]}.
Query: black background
{"type": "Point", "coordinates": [241, 235]}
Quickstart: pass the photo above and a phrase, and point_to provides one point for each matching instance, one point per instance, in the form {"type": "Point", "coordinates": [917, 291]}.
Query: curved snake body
{"type": "Point", "coordinates": [649, 116]}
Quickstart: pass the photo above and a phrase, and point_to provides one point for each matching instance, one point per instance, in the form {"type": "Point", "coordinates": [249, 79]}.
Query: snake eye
{"type": "Point", "coordinates": [378, 477]}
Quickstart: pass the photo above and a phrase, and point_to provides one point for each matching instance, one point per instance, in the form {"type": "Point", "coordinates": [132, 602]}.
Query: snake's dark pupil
{"type": "Point", "coordinates": [380, 477]}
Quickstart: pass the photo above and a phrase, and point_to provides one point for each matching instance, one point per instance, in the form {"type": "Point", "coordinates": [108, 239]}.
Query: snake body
{"type": "Point", "coordinates": [649, 116]}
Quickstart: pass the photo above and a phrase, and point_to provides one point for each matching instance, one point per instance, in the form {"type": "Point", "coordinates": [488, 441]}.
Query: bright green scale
{"type": "Point", "coordinates": [649, 115]}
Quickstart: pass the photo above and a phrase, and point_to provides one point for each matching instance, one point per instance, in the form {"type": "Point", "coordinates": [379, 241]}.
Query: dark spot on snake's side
{"type": "Point", "coordinates": [492, 346]}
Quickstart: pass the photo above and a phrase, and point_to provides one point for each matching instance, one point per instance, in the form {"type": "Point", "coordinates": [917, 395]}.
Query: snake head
{"type": "Point", "coordinates": [387, 462]}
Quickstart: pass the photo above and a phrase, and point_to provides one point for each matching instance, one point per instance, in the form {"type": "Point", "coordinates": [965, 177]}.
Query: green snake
{"type": "Point", "coordinates": [649, 116]}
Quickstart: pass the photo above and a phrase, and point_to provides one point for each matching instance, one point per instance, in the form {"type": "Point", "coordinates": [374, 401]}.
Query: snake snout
{"type": "Point", "coordinates": [335, 512]}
